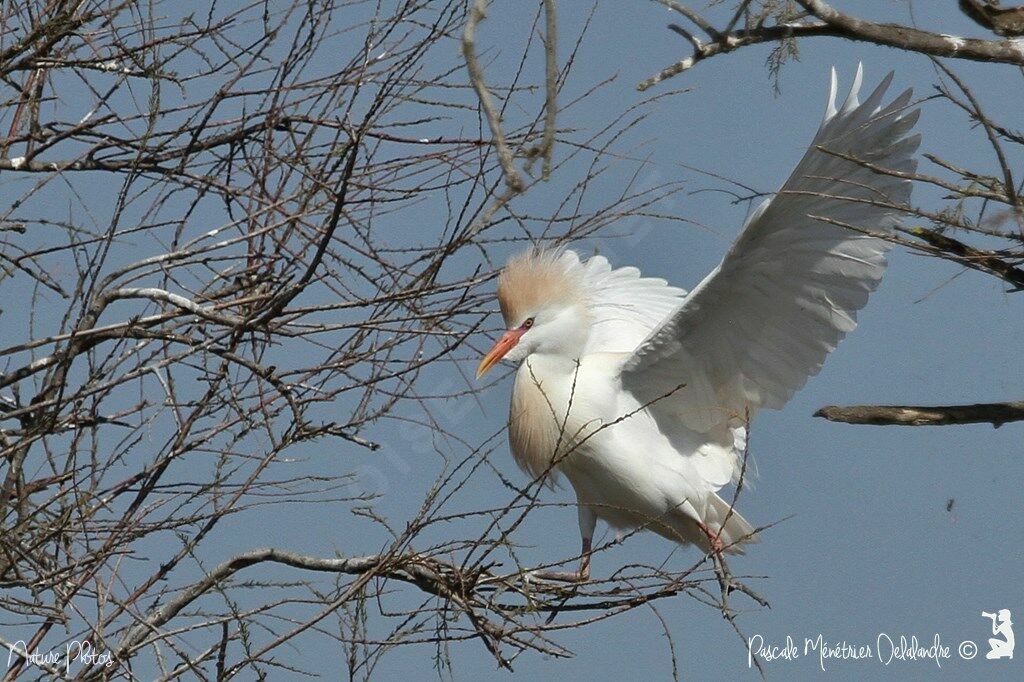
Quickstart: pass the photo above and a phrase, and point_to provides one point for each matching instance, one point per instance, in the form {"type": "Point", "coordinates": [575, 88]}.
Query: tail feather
{"type": "Point", "coordinates": [733, 530]}
{"type": "Point", "coordinates": [736, 530]}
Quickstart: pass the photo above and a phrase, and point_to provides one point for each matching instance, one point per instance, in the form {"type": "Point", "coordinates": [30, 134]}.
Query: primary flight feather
{"type": "Point", "coordinates": [640, 393]}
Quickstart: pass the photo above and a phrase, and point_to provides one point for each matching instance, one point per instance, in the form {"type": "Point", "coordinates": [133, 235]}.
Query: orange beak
{"type": "Point", "coordinates": [507, 341]}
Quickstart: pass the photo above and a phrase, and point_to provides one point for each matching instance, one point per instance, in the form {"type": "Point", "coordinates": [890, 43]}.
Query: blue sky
{"type": "Point", "coordinates": [867, 545]}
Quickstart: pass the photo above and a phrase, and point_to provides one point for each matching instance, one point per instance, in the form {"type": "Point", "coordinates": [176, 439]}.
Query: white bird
{"type": "Point", "coordinates": [641, 394]}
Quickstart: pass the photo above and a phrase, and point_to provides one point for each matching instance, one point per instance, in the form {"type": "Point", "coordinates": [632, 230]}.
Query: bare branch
{"type": "Point", "coordinates": [1004, 21]}
{"type": "Point", "coordinates": [916, 40]}
{"type": "Point", "coordinates": [995, 414]}
{"type": "Point", "coordinates": [972, 257]}
{"type": "Point", "coordinates": [826, 21]}
{"type": "Point", "coordinates": [477, 13]}
{"type": "Point", "coordinates": [550, 84]}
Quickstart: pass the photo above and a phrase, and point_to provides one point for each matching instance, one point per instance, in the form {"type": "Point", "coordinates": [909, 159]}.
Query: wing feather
{"type": "Point", "coordinates": [756, 328]}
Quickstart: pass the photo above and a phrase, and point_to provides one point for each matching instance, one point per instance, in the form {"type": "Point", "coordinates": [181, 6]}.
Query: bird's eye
{"type": "Point", "coordinates": [528, 323]}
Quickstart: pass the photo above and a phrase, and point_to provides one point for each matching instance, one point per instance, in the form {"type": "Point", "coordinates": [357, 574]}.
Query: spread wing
{"type": "Point", "coordinates": [753, 331]}
{"type": "Point", "coordinates": [624, 307]}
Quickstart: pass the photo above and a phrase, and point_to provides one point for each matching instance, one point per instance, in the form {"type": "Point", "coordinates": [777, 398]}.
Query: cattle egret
{"type": "Point", "coordinates": [640, 393]}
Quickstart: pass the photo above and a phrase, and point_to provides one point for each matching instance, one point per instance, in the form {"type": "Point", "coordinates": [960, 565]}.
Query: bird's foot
{"type": "Point", "coordinates": [580, 576]}
{"type": "Point", "coordinates": [561, 576]}
{"type": "Point", "coordinates": [717, 547]}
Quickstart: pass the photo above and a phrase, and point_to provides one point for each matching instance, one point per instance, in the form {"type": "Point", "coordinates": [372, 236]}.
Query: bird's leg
{"type": "Point", "coordinates": [588, 522]}
{"type": "Point", "coordinates": [725, 578]}
{"type": "Point", "coordinates": [580, 576]}
{"type": "Point", "coordinates": [713, 539]}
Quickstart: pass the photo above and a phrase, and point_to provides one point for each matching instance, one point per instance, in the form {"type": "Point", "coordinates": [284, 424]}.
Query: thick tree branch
{"type": "Point", "coordinates": [909, 38]}
{"type": "Point", "coordinates": [985, 261]}
{"type": "Point", "coordinates": [996, 414]}
{"type": "Point", "coordinates": [831, 22]}
{"type": "Point", "coordinates": [477, 13]}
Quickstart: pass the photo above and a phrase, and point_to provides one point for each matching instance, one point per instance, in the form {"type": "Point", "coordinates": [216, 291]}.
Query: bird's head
{"type": "Point", "coordinates": [542, 301]}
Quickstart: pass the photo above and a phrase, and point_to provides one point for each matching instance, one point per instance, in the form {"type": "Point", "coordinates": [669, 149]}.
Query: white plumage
{"type": "Point", "coordinates": [640, 393]}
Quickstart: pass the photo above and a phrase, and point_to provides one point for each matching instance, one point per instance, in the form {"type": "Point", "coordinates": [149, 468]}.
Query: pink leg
{"type": "Point", "coordinates": [713, 539]}
{"type": "Point", "coordinates": [580, 576]}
